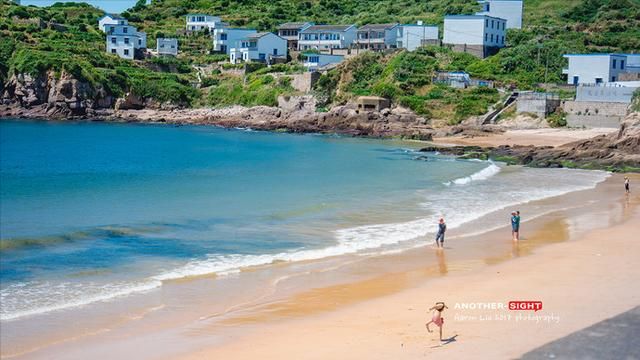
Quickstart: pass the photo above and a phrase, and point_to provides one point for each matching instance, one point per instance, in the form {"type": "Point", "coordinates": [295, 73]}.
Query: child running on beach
{"type": "Point", "coordinates": [442, 227]}
{"type": "Point", "coordinates": [436, 317]}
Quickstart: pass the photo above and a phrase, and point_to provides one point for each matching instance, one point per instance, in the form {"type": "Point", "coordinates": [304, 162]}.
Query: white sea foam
{"type": "Point", "coordinates": [460, 205]}
{"type": "Point", "coordinates": [484, 174]}
{"type": "Point", "coordinates": [62, 296]}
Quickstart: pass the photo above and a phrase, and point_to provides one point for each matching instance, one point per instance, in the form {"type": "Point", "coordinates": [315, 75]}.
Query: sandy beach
{"type": "Point", "coordinates": [536, 137]}
{"type": "Point", "coordinates": [580, 277]}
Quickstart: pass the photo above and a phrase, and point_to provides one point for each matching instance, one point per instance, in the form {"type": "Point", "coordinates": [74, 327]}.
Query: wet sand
{"type": "Point", "coordinates": [376, 306]}
{"type": "Point", "coordinates": [581, 277]}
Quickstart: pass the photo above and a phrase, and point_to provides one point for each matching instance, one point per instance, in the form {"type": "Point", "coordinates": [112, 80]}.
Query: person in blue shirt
{"type": "Point", "coordinates": [515, 225]}
{"type": "Point", "coordinates": [442, 227]}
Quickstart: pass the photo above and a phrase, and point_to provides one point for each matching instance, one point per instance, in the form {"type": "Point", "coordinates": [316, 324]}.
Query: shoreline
{"type": "Point", "coordinates": [392, 274]}
{"type": "Point", "coordinates": [391, 325]}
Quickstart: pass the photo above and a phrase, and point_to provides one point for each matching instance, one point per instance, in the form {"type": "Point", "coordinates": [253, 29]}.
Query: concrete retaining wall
{"type": "Point", "coordinates": [594, 114]}
{"type": "Point", "coordinates": [540, 107]}
{"type": "Point", "coordinates": [619, 94]}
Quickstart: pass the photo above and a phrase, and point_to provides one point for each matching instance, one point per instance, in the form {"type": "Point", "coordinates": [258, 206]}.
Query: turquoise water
{"type": "Point", "coordinates": [91, 212]}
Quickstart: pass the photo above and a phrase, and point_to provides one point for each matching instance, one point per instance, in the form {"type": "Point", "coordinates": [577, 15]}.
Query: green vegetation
{"type": "Point", "coordinates": [557, 119]}
{"type": "Point", "coordinates": [533, 55]}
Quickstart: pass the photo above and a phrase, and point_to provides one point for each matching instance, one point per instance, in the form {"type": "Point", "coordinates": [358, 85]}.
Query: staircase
{"type": "Point", "coordinates": [490, 118]}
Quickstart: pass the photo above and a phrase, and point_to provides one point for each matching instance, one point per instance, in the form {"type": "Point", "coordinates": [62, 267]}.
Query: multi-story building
{"type": "Point", "coordinates": [595, 68]}
{"type": "Point", "coordinates": [261, 47]}
{"type": "Point", "coordinates": [198, 22]}
{"type": "Point", "coordinates": [480, 35]}
{"type": "Point", "coordinates": [106, 22]}
{"type": "Point", "coordinates": [412, 36]}
{"type": "Point", "coordinates": [126, 41]}
{"type": "Point", "coordinates": [510, 10]}
{"type": "Point", "coordinates": [225, 38]}
{"type": "Point", "coordinates": [377, 36]}
{"type": "Point", "coordinates": [327, 37]}
{"type": "Point", "coordinates": [167, 46]}
{"type": "Point", "coordinates": [291, 31]}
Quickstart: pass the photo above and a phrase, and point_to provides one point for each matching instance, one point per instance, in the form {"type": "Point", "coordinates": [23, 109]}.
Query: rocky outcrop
{"type": "Point", "coordinates": [51, 95]}
{"type": "Point", "coordinates": [618, 151]}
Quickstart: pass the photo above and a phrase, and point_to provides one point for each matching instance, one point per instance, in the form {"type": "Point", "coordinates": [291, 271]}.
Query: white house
{"type": "Point", "coordinates": [412, 36]}
{"type": "Point", "coordinates": [327, 37]}
{"type": "Point", "coordinates": [314, 62]}
{"type": "Point", "coordinates": [633, 63]}
{"type": "Point", "coordinates": [291, 31]}
{"type": "Point", "coordinates": [167, 46]}
{"type": "Point", "coordinates": [377, 36]}
{"type": "Point", "coordinates": [595, 68]}
{"type": "Point", "coordinates": [262, 47]}
{"type": "Point", "coordinates": [511, 10]}
{"type": "Point", "coordinates": [480, 35]}
{"type": "Point", "coordinates": [126, 41]}
{"type": "Point", "coordinates": [108, 20]}
{"type": "Point", "coordinates": [197, 22]}
{"type": "Point", "coordinates": [225, 38]}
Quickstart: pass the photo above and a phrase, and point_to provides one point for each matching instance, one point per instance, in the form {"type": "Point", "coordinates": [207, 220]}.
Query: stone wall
{"type": "Point", "coordinates": [594, 114]}
{"type": "Point", "coordinates": [302, 82]}
{"type": "Point", "coordinates": [541, 107]}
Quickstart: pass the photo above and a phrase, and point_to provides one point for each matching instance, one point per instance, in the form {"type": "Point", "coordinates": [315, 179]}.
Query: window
{"type": "Point", "coordinates": [503, 40]}
{"type": "Point", "coordinates": [576, 79]}
{"type": "Point", "coordinates": [622, 64]}
{"type": "Point", "coordinates": [491, 37]}
{"type": "Point", "coordinates": [492, 23]}
{"type": "Point", "coordinates": [126, 40]}
{"type": "Point", "coordinates": [598, 80]}
{"type": "Point", "coordinates": [139, 42]}
{"type": "Point", "coordinates": [486, 22]}
{"type": "Point", "coordinates": [113, 40]}
{"type": "Point", "coordinates": [112, 29]}
{"type": "Point", "coordinates": [113, 51]}
{"type": "Point", "coordinates": [125, 29]}
{"type": "Point", "coordinates": [275, 51]}
{"type": "Point", "coordinates": [613, 79]}
{"type": "Point", "coordinates": [126, 51]}
{"type": "Point", "coordinates": [614, 63]}
{"type": "Point", "coordinates": [485, 36]}
{"type": "Point", "coordinates": [223, 36]}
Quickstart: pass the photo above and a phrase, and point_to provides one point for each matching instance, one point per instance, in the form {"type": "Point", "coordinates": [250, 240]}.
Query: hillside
{"type": "Point", "coordinates": [534, 55]}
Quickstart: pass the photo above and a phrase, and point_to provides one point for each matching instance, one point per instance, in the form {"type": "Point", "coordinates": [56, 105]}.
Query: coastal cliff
{"type": "Point", "coordinates": [618, 151]}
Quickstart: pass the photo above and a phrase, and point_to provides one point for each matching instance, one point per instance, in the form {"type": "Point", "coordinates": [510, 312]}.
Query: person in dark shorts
{"type": "Point", "coordinates": [442, 227]}
{"type": "Point", "coordinates": [626, 185]}
{"type": "Point", "coordinates": [515, 225]}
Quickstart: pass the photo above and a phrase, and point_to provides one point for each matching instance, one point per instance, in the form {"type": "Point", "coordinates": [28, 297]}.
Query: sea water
{"type": "Point", "coordinates": [94, 212]}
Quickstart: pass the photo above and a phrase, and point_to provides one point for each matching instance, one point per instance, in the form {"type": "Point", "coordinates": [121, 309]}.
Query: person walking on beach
{"type": "Point", "coordinates": [626, 185]}
{"type": "Point", "coordinates": [442, 227]}
{"type": "Point", "coordinates": [515, 225]}
{"type": "Point", "coordinates": [436, 317]}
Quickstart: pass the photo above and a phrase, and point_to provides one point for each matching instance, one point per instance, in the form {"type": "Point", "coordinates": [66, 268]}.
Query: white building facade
{"type": "Point", "coordinates": [510, 10]}
{"type": "Point", "coordinates": [594, 68]}
{"type": "Point", "coordinates": [412, 36]}
{"type": "Point", "coordinates": [225, 38]}
{"type": "Point", "coordinates": [167, 46]}
{"type": "Point", "coordinates": [108, 21]}
{"type": "Point", "coordinates": [480, 35]}
{"type": "Point", "coordinates": [198, 22]}
{"type": "Point", "coordinates": [314, 62]}
{"type": "Point", "coordinates": [126, 42]}
{"type": "Point", "coordinates": [327, 37]}
{"type": "Point", "coordinates": [377, 36]}
{"type": "Point", "coordinates": [261, 47]}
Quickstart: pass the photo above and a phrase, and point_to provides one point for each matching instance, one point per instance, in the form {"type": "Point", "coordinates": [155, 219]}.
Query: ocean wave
{"type": "Point", "coordinates": [460, 205]}
{"type": "Point", "coordinates": [484, 174]}
{"type": "Point", "coordinates": [64, 296]}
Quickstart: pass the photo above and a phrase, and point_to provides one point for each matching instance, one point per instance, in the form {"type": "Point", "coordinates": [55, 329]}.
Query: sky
{"type": "Point", "coordinates": [112, 6]}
